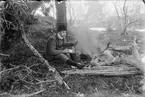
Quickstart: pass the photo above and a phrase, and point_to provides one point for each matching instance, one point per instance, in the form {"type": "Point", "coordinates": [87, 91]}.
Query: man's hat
{"type": "Point", "coordinates": [61, 27]}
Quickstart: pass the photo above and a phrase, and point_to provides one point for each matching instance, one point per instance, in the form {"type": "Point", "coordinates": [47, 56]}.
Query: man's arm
{"type": "Point", "coordinates": [70, 44]}
{"type": "Point", "coordinates": [51, 47]}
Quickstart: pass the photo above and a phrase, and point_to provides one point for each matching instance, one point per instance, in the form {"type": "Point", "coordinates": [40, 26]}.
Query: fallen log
{"type": "Point", "coordinates": [36, 53]}
{"type": "Point", "coordinates": [122, 70]}
{"type": "Point", "coordinates": [130, 66]}
{"type": "Point", "coordinates": [135, 62]}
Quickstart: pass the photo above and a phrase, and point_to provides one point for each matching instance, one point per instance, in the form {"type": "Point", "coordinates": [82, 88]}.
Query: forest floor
{"type": "Point", "coordinates": [97, 86]}
{"type": "Point", "coordinates": [23, 81]}
{"type": "Point", "coordinates": [80, 85]}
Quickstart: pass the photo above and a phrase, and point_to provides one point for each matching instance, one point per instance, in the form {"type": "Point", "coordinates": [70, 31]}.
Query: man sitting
{"type": "Point", "coordinates": [53, 53]}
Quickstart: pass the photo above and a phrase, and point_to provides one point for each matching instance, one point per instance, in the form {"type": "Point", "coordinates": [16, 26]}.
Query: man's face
{"type": "Point", "coordinates": [62, 34]}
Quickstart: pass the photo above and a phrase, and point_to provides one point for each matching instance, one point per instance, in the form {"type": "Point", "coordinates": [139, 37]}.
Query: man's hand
{"type": "Point", "coordinates": [68, 51]}
{"type": "Point", "coordinates": [70, 44]}
{"type": "Point", "coordinates": [75, 42]}
{"type": "Point", "coordinates": [64, 51]}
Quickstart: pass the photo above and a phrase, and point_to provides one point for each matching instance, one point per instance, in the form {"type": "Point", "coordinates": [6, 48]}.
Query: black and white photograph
{"type": "Point", "coordinates": [72, 48]}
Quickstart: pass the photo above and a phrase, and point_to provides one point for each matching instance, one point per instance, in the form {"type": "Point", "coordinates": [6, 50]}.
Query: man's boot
{"type": "Point", "coordinates": [73, 63]}
{"type": "Point", "coordinates": [75, 57]}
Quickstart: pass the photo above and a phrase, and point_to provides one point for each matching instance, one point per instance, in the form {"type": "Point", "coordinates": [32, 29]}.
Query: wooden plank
{"type": "Point", "coordinates": [106, 71]}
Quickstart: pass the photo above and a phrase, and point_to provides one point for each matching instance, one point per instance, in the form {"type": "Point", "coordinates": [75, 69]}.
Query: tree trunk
{"type": "Point", "coordinates": [61, 13]}
{"type": "Point", "coordinates": [61, 16]}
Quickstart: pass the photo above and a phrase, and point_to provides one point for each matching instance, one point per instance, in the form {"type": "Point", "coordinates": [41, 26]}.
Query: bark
{"type": "Point", "coordinates": [136, 63]}
{"type": "Point", "coordinates": [122, 70]}
{"type": "Point", "coordinates": [61, 16]}
{"type": "Point", "coordinates": [61, 13]}
{"type": "Point", "coordinates": [135, 52]}
{"type": "Point", "coordinates": [36, 53]}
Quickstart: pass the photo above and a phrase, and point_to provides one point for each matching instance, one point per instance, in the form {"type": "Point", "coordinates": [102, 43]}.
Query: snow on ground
{"type": "Point", "coordinates": [98, 29]}
{"type": "Point", "coordinates": [104, 29]}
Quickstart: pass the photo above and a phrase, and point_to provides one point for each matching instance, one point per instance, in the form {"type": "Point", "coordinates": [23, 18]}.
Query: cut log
{"type": "Point", "coordinates": [123, 70]}
{"type": "Point", "coordinates": [130, 66]}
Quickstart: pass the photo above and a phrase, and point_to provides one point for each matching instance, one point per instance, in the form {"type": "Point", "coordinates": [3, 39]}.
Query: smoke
{"type": "Point", "coordinates": [88, 42]}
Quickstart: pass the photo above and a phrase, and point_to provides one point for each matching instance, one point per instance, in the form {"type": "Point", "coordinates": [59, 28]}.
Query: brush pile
{"type": "Point", "coordinates": [22, 73]}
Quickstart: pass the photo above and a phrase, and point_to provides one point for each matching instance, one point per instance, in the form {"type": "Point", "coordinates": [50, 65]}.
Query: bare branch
{"type": "Point", "coordinates": [4, 55]}
{"type": "Point", "coordinates": [47, 81]}
{"type": "Point", "coordinates": [117, 11]}
{"type": "Point", "coordinates": [35, 93]}
{"type": "Point", "coordinates": [125, 12]}
{"type": "Point", "coordinates": [9, 69]}
{"type": "Point", "coordinates": [131, 23]}
{"type": "Point", "coordinates": [3, 94]}
{"type": "Point", "coordinates": [24, 95]}
{"type": "Point", "coordinates": [24, 67]}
